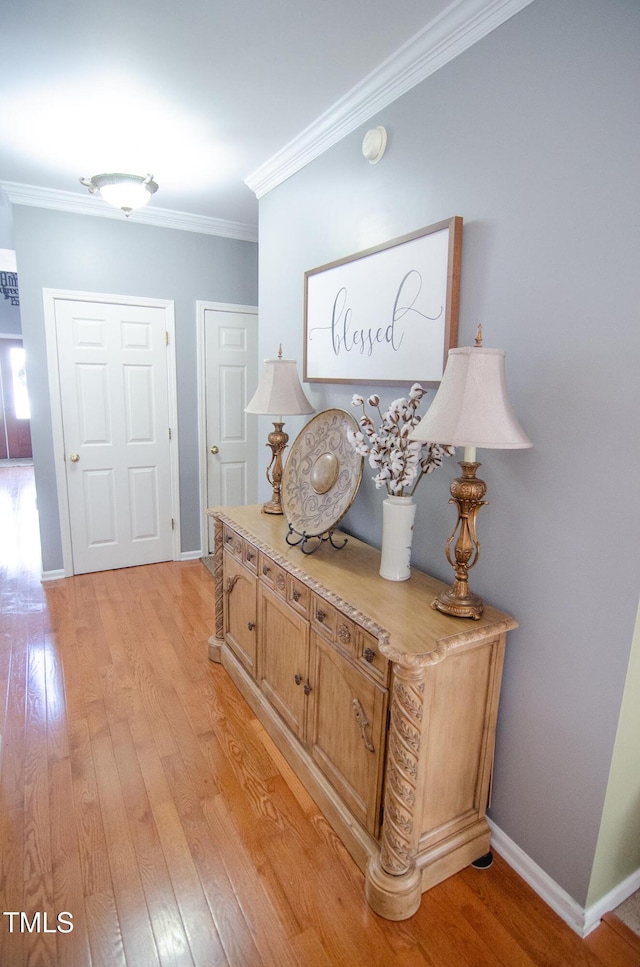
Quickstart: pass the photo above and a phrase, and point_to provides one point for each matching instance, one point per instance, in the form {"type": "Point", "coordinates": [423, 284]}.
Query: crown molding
{"type": "Point", "coordinates": [69, 201]}
{"type": "Point", "coordinates": [459, 27]}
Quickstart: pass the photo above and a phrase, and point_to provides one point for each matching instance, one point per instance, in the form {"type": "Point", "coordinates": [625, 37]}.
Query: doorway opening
{"type": "Point", "coordinates": [15, 412]}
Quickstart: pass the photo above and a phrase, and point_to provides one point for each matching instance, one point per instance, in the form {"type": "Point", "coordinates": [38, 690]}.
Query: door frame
{"type": "Point", "coordinates": [50, 297]}
{"type": "Point", "coordinates": [201, 306]}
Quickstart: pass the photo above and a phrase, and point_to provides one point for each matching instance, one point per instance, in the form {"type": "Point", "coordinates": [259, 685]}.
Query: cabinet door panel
{"type": "Point", "coordinates": [283, 663]}
{"type": "Point", "coordinates": [240, 611]}
{"type": "Point", "coordinates": [346, 730]}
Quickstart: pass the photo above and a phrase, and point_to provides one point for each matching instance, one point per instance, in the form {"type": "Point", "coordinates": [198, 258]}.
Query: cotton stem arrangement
{"type": "Point", "coordinates": [400, 463]}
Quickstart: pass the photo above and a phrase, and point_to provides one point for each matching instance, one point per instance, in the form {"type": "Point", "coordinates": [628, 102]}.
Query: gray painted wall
{"type": "Point", "coordinates": [63, 251]}
{"type": "Point", "coordinates": [6, 222]}
{"type": "Point", "coordinates": [532, 137]}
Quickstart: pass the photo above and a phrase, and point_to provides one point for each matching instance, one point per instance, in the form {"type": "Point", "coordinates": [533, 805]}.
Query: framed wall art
{"type": "Point", "coordinates": [388, 314]}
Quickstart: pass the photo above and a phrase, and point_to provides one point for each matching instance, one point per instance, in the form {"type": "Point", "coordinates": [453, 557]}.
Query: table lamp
{"type": "Point", "coordinates": [279, 392]}
{"type": "Point", "coordinates": [471, 409]}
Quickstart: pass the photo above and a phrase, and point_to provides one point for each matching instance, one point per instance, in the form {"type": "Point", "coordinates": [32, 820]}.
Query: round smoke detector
{"type": "Point", "coordinates": [374, 144]}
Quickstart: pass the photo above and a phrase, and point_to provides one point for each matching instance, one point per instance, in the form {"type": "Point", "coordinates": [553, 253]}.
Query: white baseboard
{"type": "Point", "coordinates": [582, 920]}
{"type": "Point", "coordinates": [613, 899]}
{"type": "Point", "coordinates": [56, 575]}
{"type": "Point", "coordinates": [190, 555]}
{"type": "Point", "coordinates": [53, 575]}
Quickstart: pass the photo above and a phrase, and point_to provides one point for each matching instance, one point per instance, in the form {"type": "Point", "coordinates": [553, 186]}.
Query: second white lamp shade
{"type": "Point", "coordinates": [471, 407]}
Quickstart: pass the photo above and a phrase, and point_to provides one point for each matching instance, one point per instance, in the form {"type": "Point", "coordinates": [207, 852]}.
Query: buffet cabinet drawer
{"type": "Point", "coordinates": [242, 550]}
{"type": "Point", "coordinates": [232, 542]}
{"type": "Point", "coordinates": [250, 556]}
{"type": "Point", "coordinates": [333, 625]}
{"type": "Point", "coordinates": [272, 575]}
{"type": "Point", "coordinates": [369, 657]}
{"type": "Point", "coordinates": [298, 596]}
{"type": "Point", "coordinates": [349, 638]}
{"type": "Point", "coordinates": [323, 617]}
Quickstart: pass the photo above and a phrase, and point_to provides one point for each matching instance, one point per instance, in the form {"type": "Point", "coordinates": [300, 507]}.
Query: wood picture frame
{"type": "Point", "coordinates": [388, 314]}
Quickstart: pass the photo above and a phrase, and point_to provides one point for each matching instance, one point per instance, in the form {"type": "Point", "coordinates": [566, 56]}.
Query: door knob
{"type": "Point", "coordinates": [74, 457]}
{"type": "Point", "coordinates": [214, 449]}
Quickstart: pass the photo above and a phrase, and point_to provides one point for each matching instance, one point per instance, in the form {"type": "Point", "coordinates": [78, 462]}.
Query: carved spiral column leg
{"type": "Point", "coordinates": [393, 883]}
{"type": "Point", "coordinates": [216, 640]}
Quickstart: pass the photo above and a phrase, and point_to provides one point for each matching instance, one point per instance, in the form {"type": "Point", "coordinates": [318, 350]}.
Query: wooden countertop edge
{"type": "Point", "coordinates": [446, 644]}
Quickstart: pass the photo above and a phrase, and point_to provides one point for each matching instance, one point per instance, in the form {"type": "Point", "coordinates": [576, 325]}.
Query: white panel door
{"type": "Point", "coordinates": [112, 362]}
{"type": "Point", "coordinates": [231, 376]}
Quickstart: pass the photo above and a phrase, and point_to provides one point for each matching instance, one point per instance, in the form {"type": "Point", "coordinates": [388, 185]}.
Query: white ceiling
{"type": "Point", "coordinates": [204, 94]}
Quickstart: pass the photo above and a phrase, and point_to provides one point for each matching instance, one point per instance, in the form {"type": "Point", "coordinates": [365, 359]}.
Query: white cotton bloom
{"type": "Point", "coordinates": [368, 428]}
{"type": "Point", "coordinates": [358, 442]}
{"type": "Point", "coordinates": [396, 407]}
{"type": "Point", "coordinates": [400, 462]}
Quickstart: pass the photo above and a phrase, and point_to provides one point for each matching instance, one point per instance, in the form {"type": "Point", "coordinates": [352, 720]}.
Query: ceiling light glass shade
{"type": "Point", "coordinates": [126, 192]}
{"type": "Point", "coordinates": [279, 391]}
{"type": "Point", "coordinates": [471, 407]}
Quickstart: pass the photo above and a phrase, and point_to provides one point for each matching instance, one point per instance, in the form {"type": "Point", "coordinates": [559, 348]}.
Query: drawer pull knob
{"type": "Point", "coordinates": [250, 555]}
{"type": "Point", "coordinates": [321, 615]}
{"type": "Point", "coordinates": [369, 654]}
{"type": "Point", "coordinates": [297, 679]}
{"type": "Point", "coordinates": [307, 688]}
{"type": "Point", "coordinates": [362, 721]}
{"type": "Point", "coordinates": [295, 594]}
{"type": "Point", "coordinates": [265, 568]}
{"type": "Point", "coordinates": [251, 625]}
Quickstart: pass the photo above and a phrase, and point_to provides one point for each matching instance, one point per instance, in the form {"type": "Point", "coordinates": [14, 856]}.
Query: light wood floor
{"type": "Point", "coordinates": [139, 794]}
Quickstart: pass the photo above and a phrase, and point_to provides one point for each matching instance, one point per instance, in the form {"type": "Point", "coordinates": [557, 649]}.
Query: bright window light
{"type": "Point", "coordinates": [19, 381]}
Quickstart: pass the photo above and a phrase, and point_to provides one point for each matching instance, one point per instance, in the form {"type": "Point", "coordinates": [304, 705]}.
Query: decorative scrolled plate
{"type": "Point", "coordinates": [322, 474]}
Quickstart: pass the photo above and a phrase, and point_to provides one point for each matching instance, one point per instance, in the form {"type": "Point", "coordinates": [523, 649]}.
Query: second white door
{"type": "Point", "coordinates": [230, 337]}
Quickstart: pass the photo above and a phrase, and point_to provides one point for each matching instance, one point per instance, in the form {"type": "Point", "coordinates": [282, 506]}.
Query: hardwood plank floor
{"type": "Point", "coordinates": [139, 794]}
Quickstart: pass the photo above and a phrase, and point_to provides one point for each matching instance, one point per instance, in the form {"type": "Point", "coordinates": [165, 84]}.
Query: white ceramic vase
{"type": "Point", "coordinates": [398, 514]}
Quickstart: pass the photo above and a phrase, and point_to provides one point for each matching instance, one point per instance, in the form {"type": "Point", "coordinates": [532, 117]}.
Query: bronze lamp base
{"type": "Point", "coordinates": [277, 440]}
{"type": "Point", "coordinates": [458, 604]}
{"type": "Point", "coordinates": [467, 492]}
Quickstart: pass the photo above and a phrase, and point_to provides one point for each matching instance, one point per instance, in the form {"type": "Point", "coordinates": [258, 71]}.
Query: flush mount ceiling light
{"type": "Point", "coordinates": [126, 192]}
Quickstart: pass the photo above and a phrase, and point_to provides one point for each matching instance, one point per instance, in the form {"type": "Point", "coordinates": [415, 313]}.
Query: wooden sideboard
{"type": "Point", "coordinates": [385, 708]}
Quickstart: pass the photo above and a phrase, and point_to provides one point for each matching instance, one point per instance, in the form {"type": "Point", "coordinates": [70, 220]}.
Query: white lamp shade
{"type": "Point", "coordinates": [279, 391]}
{"type": "Point", "coordinates": [471, 407]}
